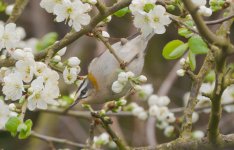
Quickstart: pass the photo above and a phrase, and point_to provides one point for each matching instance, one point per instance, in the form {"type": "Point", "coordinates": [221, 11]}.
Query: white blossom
{"type": "Point", "coordinates": [142, 115]}
{"type": "Point", "coordinates": [137, 6]}
{"type": "Point", "coordinates": [8, 36]}
{"type": "Point", "coordinates": [153, 100]}
{"type": "Point", "coordinates": [37, 99]}
{"type": "Point", "coordinates": [40, 68]}
{"type": "Point", "coordinates": [153, 110]}
{"type": "Point", "coordinates": [26, 69]}
{"type": "Point", "coordinates": [21, 32]}
{"type": "Point", "coordinates": [70, 75]}
{"type": "Point", "coordinates": [49, 5]}
{"type": "Point", "coordinates": [13, 86]}
{"type": "Point", "coordinates": [75, 12]}
{"type": "Point", "coordinates": [163, 101]}
{"type": "Point", "coordinates": [158, 19]}
{"type": "Point", "coordinates": [142, 21]}
{"type": "Point", "coordinates": [50, 75]}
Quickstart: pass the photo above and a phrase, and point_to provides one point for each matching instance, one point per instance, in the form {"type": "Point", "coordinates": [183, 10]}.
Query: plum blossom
{"type": "Point", "coordinates": [8, 36]}
{"type": "Point", "coordinates": [42, 94]}
{"type": "Point", "coordinates": [70, 75]}
{"type": "Point", "coordinates": [73, 12]}
{"type": "Point", "coordinates": [49, 5]}
{"type": "Point", "coordinates": [26, 69]}
{"type": "Point", "coordinates": [13, 86]}
{"type": "Point", "coordinates": [150, 18]}
{"type": "Point", "coordinates": [158, 19]}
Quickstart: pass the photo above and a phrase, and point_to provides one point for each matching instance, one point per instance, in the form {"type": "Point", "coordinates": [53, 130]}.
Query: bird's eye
{"type": "Point", "coordinates": [83, 92]}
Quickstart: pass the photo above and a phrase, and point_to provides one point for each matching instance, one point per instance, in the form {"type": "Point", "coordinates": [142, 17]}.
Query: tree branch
{"type": "Point", "coordinates": [204, 31]}
{"type": "Point", "coordinates": [56, 140]}
{"type": "Point", "coordinates": [17, 10]}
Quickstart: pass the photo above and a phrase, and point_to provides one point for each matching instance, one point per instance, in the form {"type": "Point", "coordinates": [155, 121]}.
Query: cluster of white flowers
{"type": "Point", "coordinates": [31, 80]}
{"type": "Point", "coordinates": [72, 70]}
{"type": "Point", "coordinates": [124, 78]}
{"type": "Point", "coordinates": [73, 12]}
{"type": "Point", "coordinates": [137, 111]}
{"type": "Point", "coordinates": [207, 12]}
{"type": "Point", "coordinates": [149, 17]}
{"type": "Point", "coordinates": [158, 108]}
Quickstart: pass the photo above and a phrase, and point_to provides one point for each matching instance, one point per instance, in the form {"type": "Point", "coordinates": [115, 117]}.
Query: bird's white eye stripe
{"type": "Point", "coordinates": [82, 87]}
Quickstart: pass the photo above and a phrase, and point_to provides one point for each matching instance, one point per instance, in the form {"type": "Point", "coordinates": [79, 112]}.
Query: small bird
{"type": "Point", "coordinates": [103, 71]}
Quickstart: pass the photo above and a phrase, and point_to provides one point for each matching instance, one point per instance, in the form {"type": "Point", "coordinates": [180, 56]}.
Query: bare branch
{"type": "Point", "coordinates": [56, 140]}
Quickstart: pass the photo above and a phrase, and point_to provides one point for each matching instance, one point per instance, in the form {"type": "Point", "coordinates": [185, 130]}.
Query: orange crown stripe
{"type": "Point", "coordinates": [93, 80]}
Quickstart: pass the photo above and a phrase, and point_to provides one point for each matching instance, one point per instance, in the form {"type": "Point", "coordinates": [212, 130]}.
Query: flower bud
{"type": "Point", "coordinates": [117, 87]}
{"type": "Point", "coordinates": [153, 110]}
{"type": "Point", "coordinates": [12, 106]}
{"type": "Point", "coordinates": [168, 132]}
{"type": "Point", "coordinates": [73, 61]}
{"type": "Point", "coordinates": [62, 51]}
{"type": "Point", "coordinates": [142, 78]}
{"type": "Point", "coordinates": [130, 74]}
{"type": "Point", "coordinates": [9, 9]}
{"type": "Point", "coordinates": [180, 72]}
{"type": "Point", "coordinates": [122, 77]}
{"type": "Point", "coordinates": [182, 61]}
{"type": "Point", "coordinates": [105, 34]}
{"type": "Point", "coordinates": [56, 58]}
{"type": "Point", "coordinates": [198, 134]}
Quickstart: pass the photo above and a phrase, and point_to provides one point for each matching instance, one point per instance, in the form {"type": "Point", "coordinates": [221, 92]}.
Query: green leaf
{"type": "Point", "coordinates": [192, 61]}
{"type": "Point", "coordinates": [3, 6]}
{"type": "Point", "coordinates": [197, 45]}
{"type": "Point", "coordinates": [174, 49]}
{"type": "Point", "coordinates": [179, 51]}
{"type": "Point", "coordinates": [46, 41]}
{"type": "Point", "coordinates": [23, 134]}
{"type": "Point", "coordinates": [122, 12]}
{"type": "Point", "coordinates": [12, 125]}
{"type": "Point", "coordinates": [185, 32]}
{"type": "Point", "coordinates": [210, 77]}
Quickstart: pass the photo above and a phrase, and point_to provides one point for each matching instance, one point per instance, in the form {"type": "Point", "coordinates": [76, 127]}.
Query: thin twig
{"type": "Point", "coordinates": [109, 47]}
{"type": "Point", "coordinates": [219, 20]}
{"type": "Point", "coordinates": [56, 140]}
